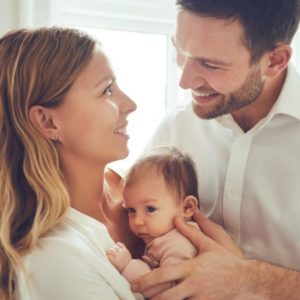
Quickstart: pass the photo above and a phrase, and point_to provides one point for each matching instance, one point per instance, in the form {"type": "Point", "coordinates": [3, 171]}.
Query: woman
{"type": "Point", "coordinates": [62, 119]}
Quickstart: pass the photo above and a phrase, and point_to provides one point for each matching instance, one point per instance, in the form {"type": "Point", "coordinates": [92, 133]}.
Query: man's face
{"type": "Point", "coordinates": [215, 65]}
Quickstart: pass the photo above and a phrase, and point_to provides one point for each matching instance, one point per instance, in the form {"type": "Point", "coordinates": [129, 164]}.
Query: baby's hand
{"type": "Point", "coordinates": [119, 256]}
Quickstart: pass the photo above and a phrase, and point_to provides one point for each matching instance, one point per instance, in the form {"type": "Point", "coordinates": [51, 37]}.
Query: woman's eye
{"type": "Point", "coordinates": [150, 209]}
{"type": "Point", "coordinates": [108, 91]}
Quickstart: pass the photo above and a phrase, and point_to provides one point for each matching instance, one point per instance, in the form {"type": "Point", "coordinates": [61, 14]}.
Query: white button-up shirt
{"type": "Point", "coordinates": [248, 182]}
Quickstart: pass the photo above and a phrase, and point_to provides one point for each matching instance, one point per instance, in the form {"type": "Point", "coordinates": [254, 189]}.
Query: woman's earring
{"type": "Point", "coordinates": [55, 138]}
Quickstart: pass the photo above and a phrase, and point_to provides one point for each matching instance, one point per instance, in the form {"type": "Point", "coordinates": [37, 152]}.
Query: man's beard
{"type": "Point", "coordinates": [243, 96]}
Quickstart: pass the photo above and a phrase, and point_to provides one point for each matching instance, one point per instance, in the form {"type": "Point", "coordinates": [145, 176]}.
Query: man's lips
{"type": "Point", "coordinates": [204, 97]}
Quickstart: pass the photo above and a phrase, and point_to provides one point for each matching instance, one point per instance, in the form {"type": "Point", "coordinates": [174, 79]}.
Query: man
{"type": "Point", "coordinates": [243, 131]}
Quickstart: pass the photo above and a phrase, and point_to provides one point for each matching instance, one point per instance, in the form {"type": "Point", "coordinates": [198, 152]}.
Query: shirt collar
{"type": "Point", "coordinates": [288, 100]}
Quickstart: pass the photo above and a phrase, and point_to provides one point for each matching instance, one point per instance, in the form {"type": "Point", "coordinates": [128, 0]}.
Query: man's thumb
{"type": "Point", "coordinates": [202, 242]}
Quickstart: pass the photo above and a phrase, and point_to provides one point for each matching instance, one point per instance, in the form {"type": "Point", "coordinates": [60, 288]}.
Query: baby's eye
{"type": "Point", "coordinates": [131, 210]}
{"type": "Point", "coordinates": [150, 209]}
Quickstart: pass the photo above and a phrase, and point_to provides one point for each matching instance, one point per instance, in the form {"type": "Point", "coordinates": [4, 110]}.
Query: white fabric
{"type": "Point", "coordinates": [248, 182]}
{"type": "Point", "coordinates": [70, 264]}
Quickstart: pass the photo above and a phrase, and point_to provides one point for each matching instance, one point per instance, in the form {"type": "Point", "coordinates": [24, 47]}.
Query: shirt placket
{"type": "Point", "coordinates": [233, 188]}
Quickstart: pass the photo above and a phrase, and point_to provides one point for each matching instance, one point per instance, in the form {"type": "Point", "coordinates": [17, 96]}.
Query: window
{"type": "Point", "coordinates": [137, 38]}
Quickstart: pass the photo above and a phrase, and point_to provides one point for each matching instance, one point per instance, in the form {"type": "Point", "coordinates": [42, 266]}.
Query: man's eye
{"type": "Point", "coordinates": [208, 66]}
{"type": "Point", "coordinates": [150, 209]}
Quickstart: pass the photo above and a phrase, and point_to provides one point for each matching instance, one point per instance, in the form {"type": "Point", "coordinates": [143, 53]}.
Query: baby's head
{"type": "Point", "coordinates": [159, 187]}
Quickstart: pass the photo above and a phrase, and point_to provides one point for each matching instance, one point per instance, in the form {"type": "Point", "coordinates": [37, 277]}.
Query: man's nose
{"type": "Point", "coordinates": [191, 77]}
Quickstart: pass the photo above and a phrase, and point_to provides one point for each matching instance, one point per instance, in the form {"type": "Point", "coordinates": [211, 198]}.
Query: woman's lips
{"type": "Point", "coordinates": [122, 130]}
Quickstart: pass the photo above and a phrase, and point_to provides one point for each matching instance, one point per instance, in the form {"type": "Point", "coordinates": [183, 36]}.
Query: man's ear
{"type": "Point", "coordinates": [42, 119]}
{"type": "Point", "coordinates": [190, 205]}
{"type": "Point", "coordinates": [277, 60]}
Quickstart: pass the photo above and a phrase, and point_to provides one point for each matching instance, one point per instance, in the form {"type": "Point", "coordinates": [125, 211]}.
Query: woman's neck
{"type": "Point", "coordinates": [85, 186]}
{"type": "Point", "coordinates": [98, 194]}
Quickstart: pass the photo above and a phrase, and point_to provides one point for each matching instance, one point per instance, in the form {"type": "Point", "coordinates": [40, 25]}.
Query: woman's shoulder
{"type": "Point", "coordinates": [76, 235]}
{"type": "Point", "coordinates": [68, 269]}
{"type": "Point", "coordinates": [70, 262]}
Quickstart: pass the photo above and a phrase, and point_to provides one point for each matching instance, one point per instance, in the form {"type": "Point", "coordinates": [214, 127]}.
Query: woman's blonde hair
{"type": "Point", "coordinates": [37, 67]}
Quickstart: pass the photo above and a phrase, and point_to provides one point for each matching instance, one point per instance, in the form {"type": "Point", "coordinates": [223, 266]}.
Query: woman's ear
{"type": "Point", "coordinates": [190, 205]}
{"type": "Point", "coordinates": [42, 119]}
{"type": "Point", "coordinates": [277, 60]}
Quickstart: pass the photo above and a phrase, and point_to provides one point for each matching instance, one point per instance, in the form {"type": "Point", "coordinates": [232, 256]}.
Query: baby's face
{"type": "Point", "coordinates": [151, 206]}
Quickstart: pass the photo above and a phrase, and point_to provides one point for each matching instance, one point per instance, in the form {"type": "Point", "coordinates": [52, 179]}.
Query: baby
{"type": "Point", "coordinates": [159, 187]}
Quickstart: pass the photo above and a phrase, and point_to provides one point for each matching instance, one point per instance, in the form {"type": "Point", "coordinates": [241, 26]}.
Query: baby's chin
{"type": "Point", "coordinates": [147, 238]}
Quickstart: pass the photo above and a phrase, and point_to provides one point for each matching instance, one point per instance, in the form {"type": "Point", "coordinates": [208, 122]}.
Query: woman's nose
{"type": "Point", "coordinates": [128, 105]}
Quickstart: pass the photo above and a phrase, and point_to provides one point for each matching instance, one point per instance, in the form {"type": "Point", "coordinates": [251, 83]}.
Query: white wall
{"type": "Point", "coordinates": [9, 15]}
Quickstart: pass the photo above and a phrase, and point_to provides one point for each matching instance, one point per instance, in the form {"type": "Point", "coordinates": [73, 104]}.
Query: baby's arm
{"type": "Point", "coordinates": [132, 269]}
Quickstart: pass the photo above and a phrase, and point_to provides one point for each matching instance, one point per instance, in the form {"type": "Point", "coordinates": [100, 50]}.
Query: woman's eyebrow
{"type": "Point", "coordinates": [105, 78]}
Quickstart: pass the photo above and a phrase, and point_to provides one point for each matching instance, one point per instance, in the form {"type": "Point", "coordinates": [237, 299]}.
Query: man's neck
{"type": "Point", "coordinates": [250, 115]}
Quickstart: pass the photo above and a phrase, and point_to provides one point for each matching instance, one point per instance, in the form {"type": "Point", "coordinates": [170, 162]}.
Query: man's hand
{"type": "Point", "coordinates": [119, 256]}
{"type": "Point", "coordinates": [213, 232]}
{"type": "Point", "coordinates": [216, 273]}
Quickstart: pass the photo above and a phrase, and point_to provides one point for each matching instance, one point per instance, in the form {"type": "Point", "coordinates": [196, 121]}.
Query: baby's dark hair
{"type": "Point", "coordinates": [177, 168]}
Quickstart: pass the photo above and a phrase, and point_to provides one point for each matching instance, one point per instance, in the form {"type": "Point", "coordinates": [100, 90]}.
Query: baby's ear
{"type": "Point", "coordinates": [190, 205]}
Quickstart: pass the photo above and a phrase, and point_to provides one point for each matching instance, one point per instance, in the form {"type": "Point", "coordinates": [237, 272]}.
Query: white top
{"type": "Point", "coordinates": [248, 182]}
{"type": "Point", "coordinates": [70, 264]}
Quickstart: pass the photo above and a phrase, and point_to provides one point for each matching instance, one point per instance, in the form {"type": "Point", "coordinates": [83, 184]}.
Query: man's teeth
{"type": "Point", "coordinates": [198, 94]}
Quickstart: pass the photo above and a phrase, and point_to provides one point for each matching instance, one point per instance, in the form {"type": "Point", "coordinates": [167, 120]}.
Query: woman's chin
{"type": "Point", "coordinates": [123, 154]}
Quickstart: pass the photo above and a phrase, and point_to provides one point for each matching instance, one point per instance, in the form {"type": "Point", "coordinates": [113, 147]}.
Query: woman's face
{"type": "Point", "coordinates": [92, 121]}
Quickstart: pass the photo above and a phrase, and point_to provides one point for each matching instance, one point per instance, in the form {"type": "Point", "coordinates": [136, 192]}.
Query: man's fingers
{"type": "Point", "coordinates": [177, 292]}
{"type": "Point", "coordinates": [198, 238]}
{"type": "Point", "coordinates": [210, 228]}
{"type": "Point", "coordinates": [217, 233]}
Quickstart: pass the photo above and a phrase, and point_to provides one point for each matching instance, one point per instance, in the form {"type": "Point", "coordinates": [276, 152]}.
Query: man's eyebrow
{"type": "Point", "coordinates": [213, 61]}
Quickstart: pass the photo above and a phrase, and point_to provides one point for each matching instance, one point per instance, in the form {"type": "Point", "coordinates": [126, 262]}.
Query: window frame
{"type": "Point", "coordinates": [155, 16]}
